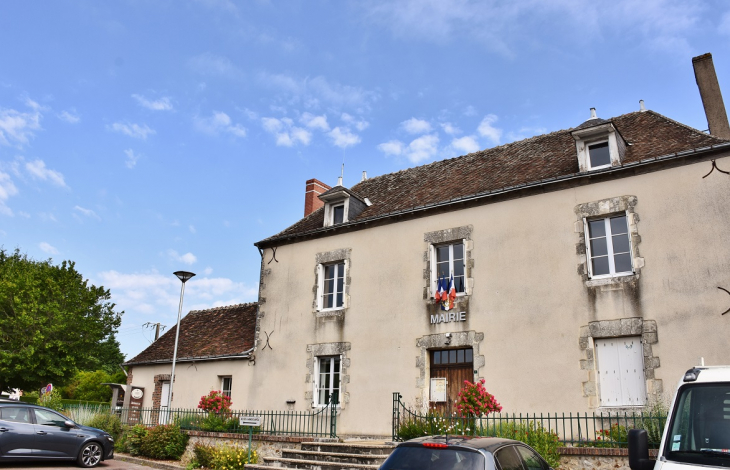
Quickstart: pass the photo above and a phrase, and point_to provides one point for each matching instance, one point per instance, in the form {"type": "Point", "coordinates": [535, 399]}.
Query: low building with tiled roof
{"type": "Point", "coordinates": [215, 347]}
{"type": "Point", "coordinates": [576, 271]}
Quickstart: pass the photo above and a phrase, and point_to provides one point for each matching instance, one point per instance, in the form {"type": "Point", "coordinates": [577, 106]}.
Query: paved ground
{"type": "Point", "coordinates": [105, 465]}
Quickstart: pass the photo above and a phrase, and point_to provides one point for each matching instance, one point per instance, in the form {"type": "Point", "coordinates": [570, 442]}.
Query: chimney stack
{"type": "Point", "coordinates": [312, 202]}
{"type": "Point", "coordinates": [711, 96]}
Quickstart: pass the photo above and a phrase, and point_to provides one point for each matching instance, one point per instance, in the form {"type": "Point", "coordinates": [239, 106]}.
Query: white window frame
{"type": "Point", "coordinates": [329, 211]}
{"type": "Point", "coordinates": [223, 386]}
{"type": "Point", "coordinates": [588, 154]}
{"type": "Point", "coordinates": [610, 355]}
{"type": "Point", "coordinates": [609, 245]}
{"type": "Point", "coordinates": [434, 274]}
{"type": "Point", "coordinates": [321, 283]}
{"type": "Point", "coordinates": [316, 384]}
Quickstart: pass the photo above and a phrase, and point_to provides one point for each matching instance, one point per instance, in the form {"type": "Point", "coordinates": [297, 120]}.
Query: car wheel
{"type": "Point", "coordinates": [90, 455]}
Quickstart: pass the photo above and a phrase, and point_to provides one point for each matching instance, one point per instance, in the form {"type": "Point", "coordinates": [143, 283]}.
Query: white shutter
{"type": "Point", "coordinates": [609, 371]}
{"type": "Point", "coordinates": [621, 371]}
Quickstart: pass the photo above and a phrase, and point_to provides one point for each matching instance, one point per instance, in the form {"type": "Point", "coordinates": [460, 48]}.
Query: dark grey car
{"type": "Point", "coordinates": [30, 432]}
{"type": "Point", "coordinates": [464, 453]}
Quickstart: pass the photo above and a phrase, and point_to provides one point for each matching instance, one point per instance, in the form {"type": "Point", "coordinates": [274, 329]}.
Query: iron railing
{"type": "Point", "coordinates": [571, 429]}
{"type": "Point", "coordinates": [320, 422]}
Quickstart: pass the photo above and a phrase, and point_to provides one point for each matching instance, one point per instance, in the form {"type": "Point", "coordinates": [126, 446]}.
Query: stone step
{"type": "Point", "coordinates": [341, 457]}
{"type": "Point", "coordinates": [310, 464]}
{"type": "Point", "coordinates": [347, 448]}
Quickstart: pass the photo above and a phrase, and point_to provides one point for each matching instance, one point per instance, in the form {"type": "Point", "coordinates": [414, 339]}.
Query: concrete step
{"type": "Point", "coordinates": [310, 464]}
{"type": "Point", "coordinates": [341, 457]}
{"type": "Point", "coordinates": [347, 448]}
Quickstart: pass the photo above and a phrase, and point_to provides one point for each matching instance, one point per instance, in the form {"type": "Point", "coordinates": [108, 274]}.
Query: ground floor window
{"type": "Point", "coordinates": [226, 386]}
{"type": "Point", "coordinates": [327, 384]}
{"type": "Point", "coordinates": [620, 363]}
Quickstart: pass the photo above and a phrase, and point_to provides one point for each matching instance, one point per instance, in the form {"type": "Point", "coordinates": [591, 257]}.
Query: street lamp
{"type": "Point", "coordinates": [184, 276]}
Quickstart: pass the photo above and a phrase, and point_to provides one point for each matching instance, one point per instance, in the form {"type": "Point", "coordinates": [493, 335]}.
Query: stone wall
{"type": "Point", "coordinates": [266, 446]}
{"type": "Point", "coordinates": [589, 458]}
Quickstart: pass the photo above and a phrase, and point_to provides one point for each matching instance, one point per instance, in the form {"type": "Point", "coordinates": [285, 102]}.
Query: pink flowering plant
{"type": "Point", "coordinates": [475, 401]}
{"type": "Point", "coordinates": [215, 402]}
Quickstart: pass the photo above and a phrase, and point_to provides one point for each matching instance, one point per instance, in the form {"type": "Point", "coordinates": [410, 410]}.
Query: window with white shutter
{"type": "Point", "coordinates": [620, 363]}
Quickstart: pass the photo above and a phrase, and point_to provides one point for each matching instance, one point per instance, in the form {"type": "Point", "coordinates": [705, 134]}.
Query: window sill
{"type": "Point", "coordinates": [612, 281]}
{"type": "Point", "coordinates": [332, 313]}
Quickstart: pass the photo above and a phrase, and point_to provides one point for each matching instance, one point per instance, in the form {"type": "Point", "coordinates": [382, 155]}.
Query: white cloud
{"type": "Point", "coordinates": [286, 133]}
{"type": "Point", "coordinates": [219, 122]}
{"type": "Point", "coordinates": [48, 248]}
{"type": "Point", "coordinates": [315, 122]}
{"type": "Point", "coordinates": [450, 128]}
{"type": "Point", "coordinates": [314, 91]}
{"type": "Point", "coordinates": [7, 189]}
{"type": "Point", "coordinates": [69, 117]}
{"type": "Point", "coordinates": [132, 158]}
{"type": "Point", "coordinates": [87, 212]}
{"type": "Point", "coordinates": [192, 229]}
{"type": "Point", "coordinates": [38, 170]}
{"type": "Point", "coordinates": [359, 124]}
{"type": "Point", "coordinates": [416, 126]}
{"type": "Point", "coordinates": [486, 129]}
{"type": "Point", "coordinates": [422, 148]}
{"type": "Point", "coordinates": [208, 271]}
{"type": "Point", "coordinates": [342, 137]}
{"type": "Point", "coordinates": [162, 104]}
{"type": "Point", "coordinates": [16, 128]}
{"type": "Point", "coordinates": [210, 64]}
{"type": "Point", "coordinates": [187, 258]}
{"type": "Point", "coordinates": [392, 147]}
{"type": "Point", "coordinates": [466, 144]}
{"type": "Point", "coordinates": [132, 130]}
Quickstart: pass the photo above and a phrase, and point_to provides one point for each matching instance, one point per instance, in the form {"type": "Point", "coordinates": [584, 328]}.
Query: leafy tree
{"type": "Point", "coordinates": [52, 322]}
{"type": "Point", "coordinates": [87, 385]}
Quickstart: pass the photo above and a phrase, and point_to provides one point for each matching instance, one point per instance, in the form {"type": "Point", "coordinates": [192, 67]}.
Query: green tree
{"type": "Point", "coordinates": [52, 322]}
{"type": "Point", "coordinates": [87, 385]}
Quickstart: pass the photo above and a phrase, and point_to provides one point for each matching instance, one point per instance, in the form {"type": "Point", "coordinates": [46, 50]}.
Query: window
{"type": "Point", "coordinates": [609, 247]}
{"type": "Point", "coordinates": [226, 383]}
{"type": "Point", "coordinates": [620, 363]}
{"type": "Point", "coordinates": [16, 414]}
{"type": "Point", "coordinates": [599, 155]}
{"type": "Point", "coordinates": [451, 356]}
{"type": "Point", "coordinates": [327, 384]}
{"type": "Point", "coordinates": [48, 418]}
{"type": "Point", "coordinates": [449, 261]}
{"type": "Point", "coordinates": [333, 286]}
{"type": "Point", "coordinates": [338, 214]}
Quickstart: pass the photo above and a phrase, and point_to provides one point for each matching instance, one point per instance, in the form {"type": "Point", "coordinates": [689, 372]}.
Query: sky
{"type": "Point", "coordinates": [139, 138]}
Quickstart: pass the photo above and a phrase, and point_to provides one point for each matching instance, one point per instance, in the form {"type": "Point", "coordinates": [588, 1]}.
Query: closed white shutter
{"type": "Point", "coordinates": [621, 371]}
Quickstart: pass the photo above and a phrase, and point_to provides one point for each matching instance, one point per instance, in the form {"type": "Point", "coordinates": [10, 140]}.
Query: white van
{"type": "Point", "coordinates": [697, 433]}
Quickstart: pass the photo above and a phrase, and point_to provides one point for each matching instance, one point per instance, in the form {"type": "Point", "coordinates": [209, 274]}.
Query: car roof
{"type": "Point", "coordinates": [489, 444]}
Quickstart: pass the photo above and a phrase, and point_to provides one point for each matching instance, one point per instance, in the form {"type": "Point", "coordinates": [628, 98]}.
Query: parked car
{"type": "Point", "coordinates": [31, 432]}
{"type": "Point", "coordinates": [464, 453]}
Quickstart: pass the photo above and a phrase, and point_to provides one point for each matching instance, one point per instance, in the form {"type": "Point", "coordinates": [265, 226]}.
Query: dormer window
{"type": "Point", "coordinates": [338, 214]}
{"type": "Point", "coordinates": [341, 206]}
{"type": "Point", "coordinates": [598, 144]}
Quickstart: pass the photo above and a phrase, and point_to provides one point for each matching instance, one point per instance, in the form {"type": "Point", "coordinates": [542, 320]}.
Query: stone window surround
{"type": "Point", "coordinates": [441, 341]}
{"type": "Point", "coordinates": [328, 349]}
{"type": "Point", "coordinates": [438, 237]}
{"type": "Point", "coordinates": [635, 326]}
{"type": "Point", "coordinates": [605, 208]}
{"type": "Point", "coordinates": [157, 394]}
{"type": "Point", "coordinates": [342, 254]}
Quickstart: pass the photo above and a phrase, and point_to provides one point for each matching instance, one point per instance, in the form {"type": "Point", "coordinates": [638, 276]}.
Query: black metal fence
{"type": "Point", "coordinates": [571, 429]}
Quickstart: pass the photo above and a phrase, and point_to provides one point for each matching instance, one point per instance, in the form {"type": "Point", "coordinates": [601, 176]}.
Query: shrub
{"type": "Point", "coordinates": [215, 402]}
{"type": "Point", "coordinates": [614, 436]}
{"type": "Point", "coordinates": [474, 400]}
{"type": "Point", "coordinates": [432, 424]}
{"type": "Point", "coordinates": [166, 441]}
{"type": "Point", "coordinates": [545, 442]}
{"type": "Point", "coordinates": [653, 420]}
{"type": "Point", "coordinates": [217, 423]}
{"type": "Point", "coordinates": [132, 439]}
{"type": "Point", "coordinates": [204, 455]}
{"type": "Point", "coordinates": [51, 400]}
{"type": "Point", "coordinates": [107, 422]}
{"type": "Point", "coordinates": [83, 414]}
{"type": "Point", "coordinates": [233, 458]}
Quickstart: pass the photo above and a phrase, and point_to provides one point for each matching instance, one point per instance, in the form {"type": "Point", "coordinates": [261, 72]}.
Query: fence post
{"type": "Point", "coordinates": [396, 415]}
{"type": "Point", "coordinates": [333, 415]}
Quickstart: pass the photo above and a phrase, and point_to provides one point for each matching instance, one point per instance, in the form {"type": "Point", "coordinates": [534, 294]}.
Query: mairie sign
{"type": "Point", "coordinates": [448, 317]}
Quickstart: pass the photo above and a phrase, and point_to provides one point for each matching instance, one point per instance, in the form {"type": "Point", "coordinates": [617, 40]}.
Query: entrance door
{"type": "Point", "coordinates": [164, 402]}
{"type": "Point", "coordinates": [456, 366]}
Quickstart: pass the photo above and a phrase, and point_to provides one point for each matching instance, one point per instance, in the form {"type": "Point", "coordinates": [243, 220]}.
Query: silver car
{"type": "Point", "coordinates": [30, 432]}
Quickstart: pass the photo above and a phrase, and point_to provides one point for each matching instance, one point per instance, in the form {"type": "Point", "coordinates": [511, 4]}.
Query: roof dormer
{"type": "Point", "coordinates": [341, 205]}
{"type": "Point", "coordinates": [598, 143]}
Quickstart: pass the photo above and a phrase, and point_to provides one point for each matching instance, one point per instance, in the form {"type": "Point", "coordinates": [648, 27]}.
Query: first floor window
{"type": "Point", "coordinates": [226, 386]}
{"type": "Point", "coordinates": [609, 246]}
{"type": "Point", "coordinates": [620, 363]}
{"type": "Point", "coordinates": [327, 385]}
{"type": "Point", "coordinates": [338, 214]}
{"type": "Point", "coordinates": [599, 155]}
{"type": "Point", "coordinates": [449, 261]}
{"type": "Point", "coordinates": [333, 290]}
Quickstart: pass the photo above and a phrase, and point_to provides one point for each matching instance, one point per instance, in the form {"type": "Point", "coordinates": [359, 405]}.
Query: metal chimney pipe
{"type": "Point", "coordinates": [711, 96]}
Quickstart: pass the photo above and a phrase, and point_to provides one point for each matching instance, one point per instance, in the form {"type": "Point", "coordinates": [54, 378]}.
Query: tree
{"type": "Point", "coordinates": [52, 322]}
{"type": "Point", "coordinates": [87, 385]}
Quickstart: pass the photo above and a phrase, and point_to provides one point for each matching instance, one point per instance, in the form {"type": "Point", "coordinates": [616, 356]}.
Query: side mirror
{"type": "Point", "coordinates": [639, 450]}
{"type": "Point", "coordinates": [69, 424]}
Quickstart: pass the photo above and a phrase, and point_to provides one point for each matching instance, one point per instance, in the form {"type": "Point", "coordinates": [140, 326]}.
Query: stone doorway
{"type": "Point", "coordinates": [454, 365]}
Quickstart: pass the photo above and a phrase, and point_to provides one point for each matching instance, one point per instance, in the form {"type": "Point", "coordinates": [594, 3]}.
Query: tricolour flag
{"type": "Point", "coordinates": [452, 293]}
{"type": "Point", "coordinates": [443, 285]}
{"type": "Point", "coordinates": [437, 292]}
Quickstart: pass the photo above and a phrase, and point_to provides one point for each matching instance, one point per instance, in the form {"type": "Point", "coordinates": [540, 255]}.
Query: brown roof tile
{"type": "Point", "coordinates": [527, 161]}
{"type": "Point", "coordinates": [211, 333]}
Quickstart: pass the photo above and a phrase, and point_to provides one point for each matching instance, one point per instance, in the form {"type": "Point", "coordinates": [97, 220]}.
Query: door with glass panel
{"type": "Point", "coordinates": [327, 384]}
{"type": "Point", "coordinates": [455, 365]}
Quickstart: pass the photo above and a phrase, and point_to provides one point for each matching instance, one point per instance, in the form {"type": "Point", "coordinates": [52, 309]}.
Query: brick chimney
{"type": "Point", "coordinates": [311, 200]}
{"type": "Point", "coordinates": [711, 96]}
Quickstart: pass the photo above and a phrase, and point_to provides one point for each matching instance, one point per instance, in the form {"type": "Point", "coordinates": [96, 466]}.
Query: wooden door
{"type": "Point", "coordinates": [456, 366]}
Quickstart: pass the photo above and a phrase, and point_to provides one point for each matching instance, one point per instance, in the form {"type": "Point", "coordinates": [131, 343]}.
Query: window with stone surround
{"type": "Point", "coordinates": [332, 284]}
{"type": "Point", "coordinates": [448, 252]}
{"type": "Point", "coordinates": [327, 374]}
{"type": "Point", "coordinates": [327, 382]}
{"type": "Point", "coordinates": [608, 247]}
{"type": "Point", "coordinates": [620, 368]}
{"type": "Point", "coordinates": [449, 261]}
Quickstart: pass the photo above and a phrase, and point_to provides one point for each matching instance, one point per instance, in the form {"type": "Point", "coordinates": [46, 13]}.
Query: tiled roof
{"type": "Point", "coordinates": [553, 155]}
{"type": "Point", "coordinates": [206, 334]}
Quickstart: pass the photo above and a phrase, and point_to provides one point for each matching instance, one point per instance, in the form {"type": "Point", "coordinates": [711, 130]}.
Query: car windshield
{"type": "Point", "coordinates": [426, 458]}
{"type": "Point", "coordinates": [700, 427]}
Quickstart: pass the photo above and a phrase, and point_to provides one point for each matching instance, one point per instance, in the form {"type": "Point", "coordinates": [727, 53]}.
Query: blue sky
{"type": "Point", "coordinates": [140, 138]}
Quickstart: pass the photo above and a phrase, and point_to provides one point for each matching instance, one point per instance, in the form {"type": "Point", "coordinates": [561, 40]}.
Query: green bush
{"type": "Point", "coordinates": [204, 455]}
{"type": "Point", "coordinates": [218, 423]}
{"type": "Point", "coordinates": [52, 400]}
{"type": "Point", "coordinates": [432, 424]}
{"type": "Point", "coordinates": [132, 439]}
{"type": "Point", "coordinates": [107, 422]}
{"type": "Point", "coordinates": [232, 458]}
{"type": "Point", "coordinates": [166, 441]}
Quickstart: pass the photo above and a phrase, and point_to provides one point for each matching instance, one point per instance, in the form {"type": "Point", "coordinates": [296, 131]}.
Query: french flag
{"type": "Point", "coordinates": [437, 293]}
{"type": "Point", "coordinates": [452, 293]}
{"type": "Point", "coordinates": [441, 289]}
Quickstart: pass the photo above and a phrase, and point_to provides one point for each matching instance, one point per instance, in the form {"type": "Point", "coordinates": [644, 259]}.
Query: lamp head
{"type": "Point", "coordinates": [184, 276]}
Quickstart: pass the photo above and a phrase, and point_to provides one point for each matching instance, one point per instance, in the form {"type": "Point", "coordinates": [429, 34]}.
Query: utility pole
{"type": "Point", "coordinates": [157, 328]}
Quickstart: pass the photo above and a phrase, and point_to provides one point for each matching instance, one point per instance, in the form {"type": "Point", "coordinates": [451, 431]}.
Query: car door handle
{"type": "Point", "coordinates": [41, 433]}
{"type": "Point", "coordinates": [4, 429]}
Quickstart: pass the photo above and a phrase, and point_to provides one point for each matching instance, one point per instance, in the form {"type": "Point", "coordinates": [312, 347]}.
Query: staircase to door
{"type": "Point", "coordinates": [328, 456]}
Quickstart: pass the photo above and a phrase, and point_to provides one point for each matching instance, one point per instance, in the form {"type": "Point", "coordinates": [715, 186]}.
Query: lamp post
{"type": "Point", "coordinates": [184, 276]}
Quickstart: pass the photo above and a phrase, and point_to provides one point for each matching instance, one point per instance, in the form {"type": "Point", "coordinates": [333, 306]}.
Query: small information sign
{"type": "Point", "coordinates": [438, 389]}
{"type": "Point", "coordinates": [249, 421]}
